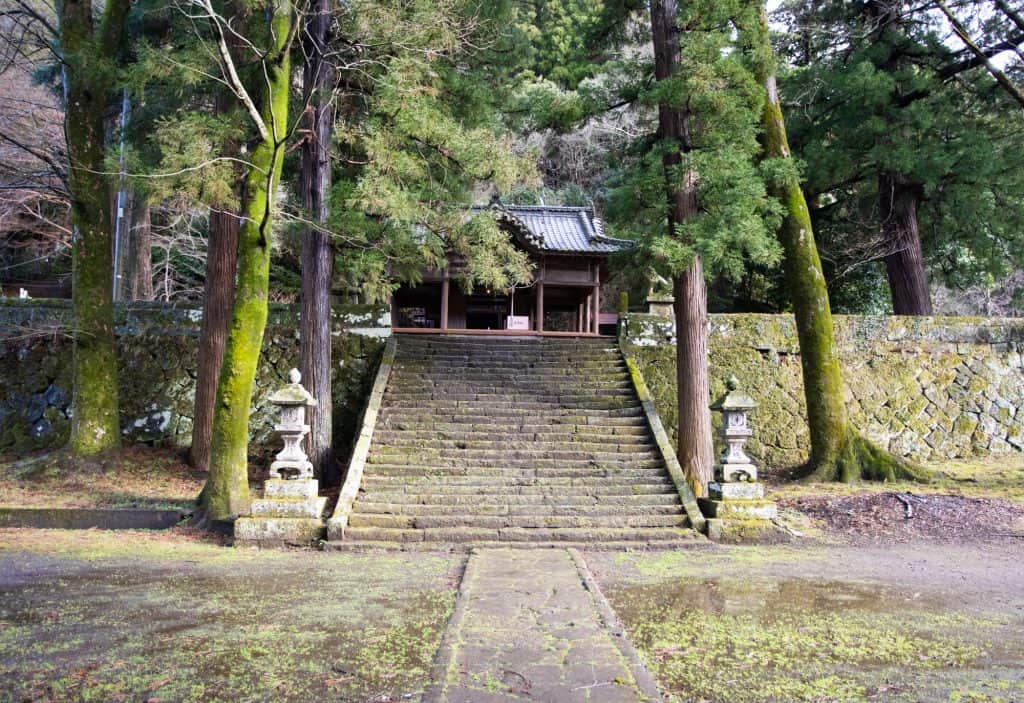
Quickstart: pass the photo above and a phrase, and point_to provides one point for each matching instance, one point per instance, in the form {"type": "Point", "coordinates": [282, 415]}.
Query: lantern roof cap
{"type": "Point", "coordinates": [735, 399]}
{"type": "Point", "coordinates": [293, 393]}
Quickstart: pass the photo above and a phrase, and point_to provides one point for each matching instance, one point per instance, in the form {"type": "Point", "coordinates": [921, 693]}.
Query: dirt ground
{"type": "Point", "coordinates": [133, 616]}
{"type": "Point", "coordinates": [174, 616]}
{"type": "Point", "coordinates": [868, 604]}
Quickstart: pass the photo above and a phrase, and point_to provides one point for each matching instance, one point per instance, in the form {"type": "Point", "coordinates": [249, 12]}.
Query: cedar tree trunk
{"type": "Point", "coordinates": [87, 59]}
{"type": "Point", "coordinates": [317, 255]}
{"type": "Point", "coordinates": [140, 252]}
{"type": "Point", "coordinates": [218, 298]}
{"type": "Point", "coordinates": [226, 494]}
{"type": "Point", "coordinates": [898, 198]}
{"type": "Point", "coordinates": [695, 448]}
{"type": "Point", "coordinates": [837, 452]}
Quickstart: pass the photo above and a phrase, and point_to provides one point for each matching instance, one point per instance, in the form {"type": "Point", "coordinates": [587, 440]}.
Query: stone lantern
{"type": "Point", "coordinates": [736, 497]}
{"type": "Point", "coordinates": [735, 465]}
{"type": "Point", "coordinates": [291, 509]}
{"type": "Point", "coordinates": [292, 462]}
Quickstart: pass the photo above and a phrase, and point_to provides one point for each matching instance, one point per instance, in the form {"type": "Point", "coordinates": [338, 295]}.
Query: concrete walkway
{"type": "Point", "coordinates": [530, 624]}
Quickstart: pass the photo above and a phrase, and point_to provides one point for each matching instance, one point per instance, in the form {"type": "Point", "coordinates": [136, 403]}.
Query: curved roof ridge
{"type": "Point", "coordinates": [565, 229]}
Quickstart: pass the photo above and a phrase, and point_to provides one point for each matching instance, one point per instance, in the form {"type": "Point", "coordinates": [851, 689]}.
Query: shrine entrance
{"type": "Point", "coordinates": [569, 252]}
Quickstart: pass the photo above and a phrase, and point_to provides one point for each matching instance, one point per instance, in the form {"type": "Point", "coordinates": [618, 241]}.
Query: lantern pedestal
{"type": "Point", "coordinates": [291, 510]}
{"type": "Point", "coordinates": [736, 507]}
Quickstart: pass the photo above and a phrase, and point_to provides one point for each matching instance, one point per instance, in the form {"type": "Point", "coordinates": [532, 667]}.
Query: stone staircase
{"type": "Point", "coordinates": [514, 440]}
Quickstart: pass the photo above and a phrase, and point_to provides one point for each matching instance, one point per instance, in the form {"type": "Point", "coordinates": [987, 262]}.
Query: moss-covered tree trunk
{"type": "Point", "coordinates": [694, 446]}
{"type": "Point", "coordinates": [226, 494]}
{"type": "Point", "coordinates": [837, 451]}
{"type": "Point", "coordinates": [89, 55]}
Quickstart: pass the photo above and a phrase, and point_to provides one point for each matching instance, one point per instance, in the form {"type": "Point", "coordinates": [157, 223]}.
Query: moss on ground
{"type": "Point", "coordinates": [999, 477]}
{"type": "Point", "coordinates": [747, 625]}
{"type": "Point", "coordinates": [88, 619]}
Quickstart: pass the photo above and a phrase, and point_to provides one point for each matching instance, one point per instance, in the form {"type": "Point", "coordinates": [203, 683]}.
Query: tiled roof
{"type": "Point", "coordinates": [570, 230]}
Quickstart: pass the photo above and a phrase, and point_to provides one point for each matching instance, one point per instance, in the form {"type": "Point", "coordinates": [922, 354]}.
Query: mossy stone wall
{"type": "Point", "coordinates": [927, 388]}
{"type": "Point", "coordinates": [157, 371]}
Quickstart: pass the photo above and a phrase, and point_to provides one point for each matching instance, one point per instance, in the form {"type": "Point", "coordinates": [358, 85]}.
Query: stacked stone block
{"type": "Point", "coordinates": [925, 388]}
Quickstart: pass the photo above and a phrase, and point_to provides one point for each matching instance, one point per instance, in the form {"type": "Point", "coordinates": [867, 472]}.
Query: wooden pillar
{"type": "Point", "coordinates": [579, 318]}
{"type": "Point", "coordinates": [540, 307]}
{"type": "Point", "coordinates": [597, 309]}
{"type": "Point", "coordinates": [445, 284]}
{"type": "Point", "coordinates": [586, 315]}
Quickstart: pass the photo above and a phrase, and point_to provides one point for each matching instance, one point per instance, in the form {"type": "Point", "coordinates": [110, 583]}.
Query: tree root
{"type": "Point", "coordinates": [860, 459]}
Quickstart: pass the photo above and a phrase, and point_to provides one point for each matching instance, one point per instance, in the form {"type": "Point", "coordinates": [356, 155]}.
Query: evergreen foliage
{"type": "Point", "coordinates": [879, 88]}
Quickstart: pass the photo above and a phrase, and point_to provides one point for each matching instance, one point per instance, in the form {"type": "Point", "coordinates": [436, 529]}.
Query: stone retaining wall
{"type": "Point", "coordinates": [926, 388]}
{"type": "Point", "coordinates": [157, 370]}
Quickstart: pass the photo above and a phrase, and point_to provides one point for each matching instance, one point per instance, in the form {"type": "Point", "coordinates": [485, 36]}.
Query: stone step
{"type": "Point", "coordinates": [612, 443]}
{"type": "Point", "coordinates": [553, 372]}
{"type": "Point", "coordinates": [511, 361]}
{"type": "Point", "coordinates": [514, 394]}
{"type": "Point", "coordinates": [435, 493]}
{"type": "Point", "coordinates": [426, 481]}
{"type": "Point", "coordinates": [383, 463]}
{"type": "Point", "coordinates": [582, 416]}
{"type": "Point", "coordinates": [620, 508]}
{"type": "Point", "coordinates": [504, 390]}
{"type": "Point", "coordinates": [455, 377]}
{"type": "Point", "coordinates": [398, 437]}
{"type": "Point", "coordinates": [388, 454]}
{"type": "Point", "coordinates": [517, 407]}
{"type": "Point", "coordinates": [476, 359]}
{"type": "Point", "coordinates": [554, 433]}
{"type": "Point", "coordinates": [508, 351]}
{"type": "Point", "coordinates": [533, 499]}
{"type": "Point", "coordinates": [531, 380]}
{"type": "Point", "coordinates": [425, 522]}
{"type": "Point", "coordinates": [469, 423]}
{"type": "Point", "coordinates": [488, 473]}
{"type": "Point", "coordinates": [519, 534]}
